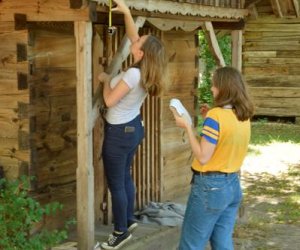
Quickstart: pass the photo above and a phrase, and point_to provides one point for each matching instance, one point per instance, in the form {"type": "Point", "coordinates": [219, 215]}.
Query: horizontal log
{"type": "Point", "coordinates": [11, 101]}
{"type": "Point", "coordinates": [272, 27]}
{"type": "Point", "coordinates": [278, 111]}
{"type": "Point", "coordinates": [275, 92]}
{"type": "Point", "coordinates": [272, 81]}
{"type": "Point", "coordinates": [295, 62]}
{"type": "Point", "coordinates": [54, 10]}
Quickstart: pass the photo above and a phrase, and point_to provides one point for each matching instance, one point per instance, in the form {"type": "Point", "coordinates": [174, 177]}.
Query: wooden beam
{"type": "Point", "coordinates": [213, 43]}
{"type": "Point", "coordinates": [115, 65]}
{"type": "Point", "coordinates": [296, 6]}
{"type": "Point", "coordinates": [85, 170]}
{"type": "Point", "coordinates": [169, 24]}
{"type": "Point", "coordinates": [276, 8]}
{"type": "Point", "coordinates": [36, 10]}
{"type": "Point", "coordinates": [229, 25]}
{"type": "Point", "coordinates": [236, 48]}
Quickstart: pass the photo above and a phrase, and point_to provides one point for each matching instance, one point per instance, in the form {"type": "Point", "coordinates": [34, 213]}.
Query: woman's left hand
{"type": "Point", "coordinates": [103, 77]}
{"type": "Point", "coordinates": [181, 122]}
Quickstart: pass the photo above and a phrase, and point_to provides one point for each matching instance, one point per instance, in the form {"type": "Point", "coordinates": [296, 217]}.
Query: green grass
{"type": "Point", "coordinates": [263, 133]}
{"type": "Point", "coordinates": [270, 199]}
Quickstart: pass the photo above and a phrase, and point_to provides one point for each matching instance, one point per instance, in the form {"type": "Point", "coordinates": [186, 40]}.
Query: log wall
{"type": "Point", "coordinates": [14, 100]}
{"type": "Point", "coordinates": [53, 115]}
{"type": "Point", "coordinates": [271, 64]}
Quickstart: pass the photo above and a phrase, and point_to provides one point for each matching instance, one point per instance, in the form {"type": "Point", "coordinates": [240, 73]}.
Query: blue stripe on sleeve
{"type": "Point", "coordinates": [211, 123]}
{"type": "Point", "coordinates": [211, 140]}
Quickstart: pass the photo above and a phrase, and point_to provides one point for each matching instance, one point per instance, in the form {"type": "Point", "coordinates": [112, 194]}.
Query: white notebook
{"type": "Point", "coordinates": [177, 106]}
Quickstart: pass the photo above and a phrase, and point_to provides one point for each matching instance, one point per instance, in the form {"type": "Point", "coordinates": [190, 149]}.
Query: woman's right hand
{"type": "Point", "coordinates": [203, 110]}
{"type": "Point", "coordinates": [121, 6]}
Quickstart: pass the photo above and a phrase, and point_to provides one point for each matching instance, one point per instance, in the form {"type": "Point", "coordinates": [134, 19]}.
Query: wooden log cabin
{"type": "Point", "coordinates": [51, 53]}
{"type": "Point", "coordinates": [271, 57]}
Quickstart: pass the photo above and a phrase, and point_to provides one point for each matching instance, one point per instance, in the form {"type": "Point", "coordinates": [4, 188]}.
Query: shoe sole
{"type": "Point", "coordinates": [116, 247]}
{"type": "Point", "coordinates": [133, 227]}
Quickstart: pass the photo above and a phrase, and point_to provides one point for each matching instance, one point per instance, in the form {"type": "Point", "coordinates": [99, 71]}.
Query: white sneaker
{"type": "Point", "coordinates": [176, 105]}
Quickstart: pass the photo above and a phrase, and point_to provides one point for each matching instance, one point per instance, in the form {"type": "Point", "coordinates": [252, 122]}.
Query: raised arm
{"type": "Point", "coordinates": [131, 30]}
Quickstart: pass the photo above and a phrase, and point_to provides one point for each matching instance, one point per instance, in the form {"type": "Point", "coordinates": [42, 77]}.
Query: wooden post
{"type": "Point", "coordinates": [236, 48]}
{"type": "Point", "coordinates": [85, 171]}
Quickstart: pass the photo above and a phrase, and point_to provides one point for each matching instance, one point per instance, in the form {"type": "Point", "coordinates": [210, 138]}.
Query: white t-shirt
{"type": "Point", "coordinates": [129, 106]}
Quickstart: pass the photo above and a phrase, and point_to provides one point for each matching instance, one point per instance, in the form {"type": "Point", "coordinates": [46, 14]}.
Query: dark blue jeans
{"type": "Point", "coordinates": [119, 146]}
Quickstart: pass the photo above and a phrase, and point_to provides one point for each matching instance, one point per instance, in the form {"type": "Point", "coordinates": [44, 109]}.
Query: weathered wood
{"type": "Point", "coordinates": [20, 21]}
{"type": "Point", "coordinates": [236, 48]}
{"type": "Point", "coordinates": [175, 9]}
{"type": "Point", "coordinates": [276, 8]}
{"type": "Point", "coordinates": [296, 6]}
{"type": "Point", "coordinates": [85, 170]}
{"type": "Point", "coordinates": [169, 24]}
{"type": "Point", "coordinates": [54, 10]}
{"type": "Point", "coordinates": [213, 43]}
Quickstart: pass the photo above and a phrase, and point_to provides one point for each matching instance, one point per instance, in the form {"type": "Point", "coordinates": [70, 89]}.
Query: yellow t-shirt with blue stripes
{"type": "Point", "coordinates": [231, 137]}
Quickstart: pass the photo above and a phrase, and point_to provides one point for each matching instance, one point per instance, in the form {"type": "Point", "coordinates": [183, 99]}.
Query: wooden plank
{"type": "Point", "coordinates": [35, 10]}
{"type": "Point", "coordinates": [213, 43]}
{"type": "Point", "coordinates": [169, 24]}
{"type": "Point", "coordinates": [276, 92]}
{"type": "Point", "coordinates": [85, 170]}
{"type": "Point", "coordinates": [236, 48]}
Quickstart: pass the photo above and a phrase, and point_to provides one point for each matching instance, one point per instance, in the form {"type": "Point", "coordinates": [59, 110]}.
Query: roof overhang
{"type": "Point", "coordinates": [171, 8]}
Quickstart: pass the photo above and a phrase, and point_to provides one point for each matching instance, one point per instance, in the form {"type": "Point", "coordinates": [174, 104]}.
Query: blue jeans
{"type": "Point", "coordinates": [119, 146]}
{"type": "Point", "coordinates": [211, 212]}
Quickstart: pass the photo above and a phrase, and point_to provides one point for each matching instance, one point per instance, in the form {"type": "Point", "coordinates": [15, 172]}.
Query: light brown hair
{"type": "Point", "coordinates": [153, 65]}
{"type": "Point", "coordinates": [233, 91]}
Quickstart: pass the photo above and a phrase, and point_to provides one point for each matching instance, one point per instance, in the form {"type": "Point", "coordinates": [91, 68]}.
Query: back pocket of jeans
{"type": "Point", "coordinates": [215, 198]}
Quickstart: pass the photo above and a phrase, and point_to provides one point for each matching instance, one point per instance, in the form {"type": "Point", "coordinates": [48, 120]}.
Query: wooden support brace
{"type": "Point", "coordinates": [296, 6]}
{"type": "Point", "coordinates": [276, 8]}
{"type": "Point", "coordinates": [20, 21]}
{"type": "Point", "coordinates": [93, 11]}
{"type": "Point", "coordinates": [213, 43]}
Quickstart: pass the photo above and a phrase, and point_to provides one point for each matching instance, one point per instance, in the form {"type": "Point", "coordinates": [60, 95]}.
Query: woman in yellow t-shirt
{"type": "Point", "coordinates": [216, 191]}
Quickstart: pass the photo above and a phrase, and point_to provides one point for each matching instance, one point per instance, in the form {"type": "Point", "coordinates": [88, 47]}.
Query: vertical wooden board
{"type": "Point", "coordinates": [85, 171]}
{"type": "Point", "coordinates": [175, 149]}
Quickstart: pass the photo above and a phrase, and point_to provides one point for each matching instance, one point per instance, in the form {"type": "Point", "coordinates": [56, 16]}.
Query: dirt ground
{"type": "Point", "coordinates": [270, 215]}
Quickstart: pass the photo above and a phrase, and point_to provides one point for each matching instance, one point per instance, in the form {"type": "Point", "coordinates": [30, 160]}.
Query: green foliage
{"type": "Point", "coordinates": [19, 214]}
{"type": "Point", "coordinates": [210, 64]}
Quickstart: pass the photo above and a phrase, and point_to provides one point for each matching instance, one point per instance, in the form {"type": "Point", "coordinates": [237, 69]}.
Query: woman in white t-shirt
{"type": "Point", "coordinates": [124, 96]}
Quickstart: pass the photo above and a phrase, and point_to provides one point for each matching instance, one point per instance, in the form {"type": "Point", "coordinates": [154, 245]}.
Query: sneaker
{"type": "Point", "coordinates": [132, 226]}
{"type": "Point", "coordinates": [115, 241]}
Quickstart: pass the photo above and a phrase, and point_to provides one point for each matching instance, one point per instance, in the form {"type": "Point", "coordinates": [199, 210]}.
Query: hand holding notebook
{"type": "Point", "coordinates": [179, 110]}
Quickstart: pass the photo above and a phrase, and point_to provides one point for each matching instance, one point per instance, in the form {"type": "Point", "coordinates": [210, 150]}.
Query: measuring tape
{"type": "Point", "coordinates": [111, 29]}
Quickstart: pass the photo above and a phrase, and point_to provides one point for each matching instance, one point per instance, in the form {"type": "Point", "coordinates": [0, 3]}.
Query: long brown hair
{"type": "Point", "coordinates": [233, 91]}
{"type": "Point", "coordinates": [153, 65]}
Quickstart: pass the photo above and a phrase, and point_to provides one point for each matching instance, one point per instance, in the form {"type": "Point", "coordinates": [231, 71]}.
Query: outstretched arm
{"type": "Point", "coordinates": [131, 30]}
